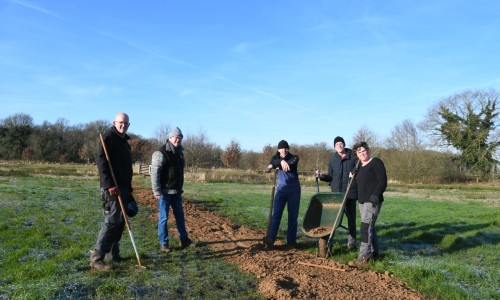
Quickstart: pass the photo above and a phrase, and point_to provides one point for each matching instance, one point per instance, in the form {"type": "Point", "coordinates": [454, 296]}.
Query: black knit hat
{"type": "Point", "coordinates": [338, 139]}
{"type": "Point", "coordinates": [283, 144]}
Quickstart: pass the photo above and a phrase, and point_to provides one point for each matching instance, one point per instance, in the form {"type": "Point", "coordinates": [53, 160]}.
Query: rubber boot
{"type": "Point", "coordinates": [97, 261]}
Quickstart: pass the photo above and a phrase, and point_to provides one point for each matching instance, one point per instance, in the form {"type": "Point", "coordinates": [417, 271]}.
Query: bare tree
{"type": "Point", "coordinates": [365, 134]}
{"type": "Point", "coordinates": [405, 137]}
{"type": "Point", "coordinates": [18, 120]}
{"type": "Point", "coordinates": [90, 135]}
{"type": "Point", "coordinates": [231, 155]}
{"type": "Point", "coordinates": [405, 157]}
{"type": "Point", "coordinates": [200, 152]}
{"type": "Point", "coordinates": [267, 152]}
{"type": "Point", "coordinates": [161, 134]}
{"type": "Point", "coordinates": [250, 160]}
{"type": "Point", "coordinates": [142, 149]}
{"type": "Point", "coordinates": [15, 131]}
{"type": "Point", "coordinates": [312, 157]}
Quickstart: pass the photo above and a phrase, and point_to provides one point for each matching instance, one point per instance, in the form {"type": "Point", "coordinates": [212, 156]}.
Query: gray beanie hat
{"type": "Point", "coordinates": [175, 132]}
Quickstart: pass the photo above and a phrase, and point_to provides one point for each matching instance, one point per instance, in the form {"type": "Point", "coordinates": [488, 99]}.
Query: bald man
{"type": "Point", "coordinates": [118, 148]}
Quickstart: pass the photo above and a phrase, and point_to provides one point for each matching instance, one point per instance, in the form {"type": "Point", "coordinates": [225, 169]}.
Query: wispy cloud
{"type": "Point", "coordinates": [72, 89]}
{"type": "Point", "coordinates": [244, 47]}
{"type": "Point", "coordinates": [267, 94]}
{"type": "Point", "coordinates": [241, 48]}
{"type": "Point", "coordinates": [37, 8]}
{"type": "Point", "coordinates": [144, 49]}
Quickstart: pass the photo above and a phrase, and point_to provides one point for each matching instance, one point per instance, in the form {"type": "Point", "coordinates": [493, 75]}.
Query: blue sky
{"type": "Point", "coordinates": [253, 71]}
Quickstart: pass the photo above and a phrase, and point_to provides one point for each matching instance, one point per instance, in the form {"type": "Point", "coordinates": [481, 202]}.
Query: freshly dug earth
{"type": "Point", "coordinates": [283, 273]}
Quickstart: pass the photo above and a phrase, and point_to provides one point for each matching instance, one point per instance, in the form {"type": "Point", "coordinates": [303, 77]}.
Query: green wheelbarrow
{"type": "Point", "coordinates": [323, 217]}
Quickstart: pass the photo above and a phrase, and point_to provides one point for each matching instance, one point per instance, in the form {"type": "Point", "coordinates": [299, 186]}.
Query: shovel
{"type": "Point", "coordinates": [267, 241]}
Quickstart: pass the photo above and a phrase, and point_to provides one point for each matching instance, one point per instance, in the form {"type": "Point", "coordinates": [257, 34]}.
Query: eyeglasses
{"type": "Point", "coordinates": [126, 124]}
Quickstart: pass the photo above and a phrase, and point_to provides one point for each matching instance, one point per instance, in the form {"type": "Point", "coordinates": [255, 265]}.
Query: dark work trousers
{"type": "Point", "coordinates": [113, 225]}
{"type": "Point", "coordinates": [286, 196]}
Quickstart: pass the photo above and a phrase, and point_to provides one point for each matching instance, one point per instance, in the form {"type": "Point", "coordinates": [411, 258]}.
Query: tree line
{"type": "Point", "coordinates": [458, 138]}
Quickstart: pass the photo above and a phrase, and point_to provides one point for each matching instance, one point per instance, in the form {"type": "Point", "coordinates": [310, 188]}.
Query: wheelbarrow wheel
{"type": "Point", "coordinates": [322, 251]}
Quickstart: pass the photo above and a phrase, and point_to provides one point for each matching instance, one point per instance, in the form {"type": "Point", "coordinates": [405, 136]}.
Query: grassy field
{"type": "Point", "coordinates": [49, 223]}
{"type": "Point", "coordinates": [444, 248]}
{"type": "Point", "coordinates": [441, 240]}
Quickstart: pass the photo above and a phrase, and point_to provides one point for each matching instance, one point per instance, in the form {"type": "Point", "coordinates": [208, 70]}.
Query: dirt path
{"type": "Point", "coordinates": [284, 273]}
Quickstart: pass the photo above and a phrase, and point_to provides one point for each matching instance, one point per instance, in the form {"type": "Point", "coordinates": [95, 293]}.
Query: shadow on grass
{"type": "Point", "coordinates": [437, 238]}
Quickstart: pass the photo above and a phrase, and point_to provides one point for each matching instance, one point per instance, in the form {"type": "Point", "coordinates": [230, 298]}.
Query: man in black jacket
{"type": "Point", "coordinates": [118, 148]}
{"type": "Point", "coordinates": [340, 166]}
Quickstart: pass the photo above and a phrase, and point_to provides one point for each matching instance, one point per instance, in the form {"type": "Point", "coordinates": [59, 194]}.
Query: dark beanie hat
{"type": "Point", "coordinates": [283, 144]}
{"type": "Point", "coordinates": [338, 139]}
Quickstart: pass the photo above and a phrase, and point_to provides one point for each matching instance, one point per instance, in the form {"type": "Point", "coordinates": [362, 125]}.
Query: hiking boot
{"type": "Point", "coordinates": [268, 243]}
{"type": "Point", "coordinates": [97, 263]}
{"type": "Point", "coordinates": [290, 246]}
{"type": "Point", "coordinates": [362, 262]}
{"type": "Point", "coordinates": [186, 243]}
{"type": "Point", "coordinates": [165, 248]}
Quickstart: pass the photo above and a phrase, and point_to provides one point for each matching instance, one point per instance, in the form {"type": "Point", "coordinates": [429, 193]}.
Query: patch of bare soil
{"type": "Point", "coordinates": [283, 273]}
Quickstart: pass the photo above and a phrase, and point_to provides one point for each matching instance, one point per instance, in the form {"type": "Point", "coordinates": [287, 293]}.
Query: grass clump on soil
{"type": "Point", "coordinates": [48, 226]}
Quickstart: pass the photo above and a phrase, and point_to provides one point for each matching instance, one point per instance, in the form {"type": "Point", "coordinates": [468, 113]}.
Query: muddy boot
{"type": "Point", "coordinates": [360, 262]}
{"type": "Point", "coordinates": [187, 242]}
{"type": "Point", "coordinates": [165, 248]}
{"type": "Point", "coordinates": [97, 262]}
{"type": "Point", "coordinates": [268, 243]}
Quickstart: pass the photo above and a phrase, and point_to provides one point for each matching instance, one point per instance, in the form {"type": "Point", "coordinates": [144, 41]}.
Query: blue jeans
{"type": "Point", "coordinates": [164, 203]}
{"type": "Point", "coordinates": [291, 196]}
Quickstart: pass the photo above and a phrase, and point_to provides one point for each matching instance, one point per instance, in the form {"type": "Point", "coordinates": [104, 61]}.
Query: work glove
{"type": "Point", "coordinates": [114, 191]}
{"type": "Point", "coordinates": [132, 208]}
{"type": "Point", "coordinates": [375, 200]}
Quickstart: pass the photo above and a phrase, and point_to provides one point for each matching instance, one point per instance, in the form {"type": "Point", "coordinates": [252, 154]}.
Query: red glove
{"type": "Point", "coordinates": [114, 191]}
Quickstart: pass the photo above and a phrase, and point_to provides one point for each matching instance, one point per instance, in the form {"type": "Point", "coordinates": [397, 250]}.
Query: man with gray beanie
{"type": "Point", "coordinates": [341, 164]}
{"type": "Point", "coordinates": [167, 180]}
